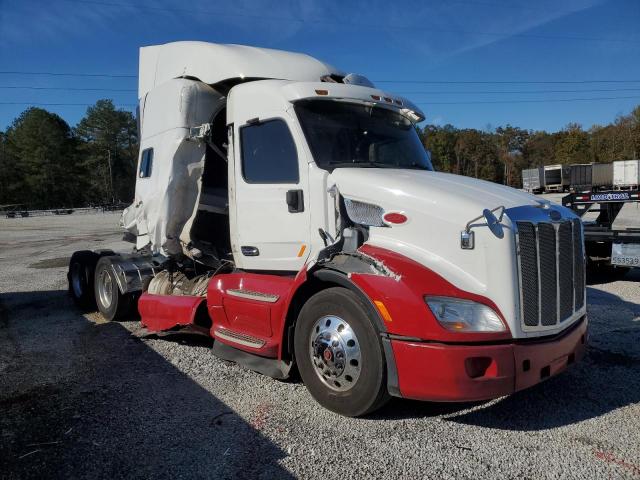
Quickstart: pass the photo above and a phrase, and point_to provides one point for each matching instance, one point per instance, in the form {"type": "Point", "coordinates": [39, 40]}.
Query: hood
{"type": "Point", "coordinates": [453, 198]}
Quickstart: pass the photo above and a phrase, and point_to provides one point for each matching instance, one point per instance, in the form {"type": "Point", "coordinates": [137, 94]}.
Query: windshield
{"type": "Point", "coordinates": [342, 134]}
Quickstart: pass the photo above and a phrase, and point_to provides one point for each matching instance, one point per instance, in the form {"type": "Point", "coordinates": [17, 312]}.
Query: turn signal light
{"type": "Point", "coordinates": [395, 218]}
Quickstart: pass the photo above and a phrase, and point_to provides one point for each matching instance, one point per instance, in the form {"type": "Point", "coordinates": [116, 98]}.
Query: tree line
{"type": "Point", "coordinates": [45, 163]}
{"type": "Point", "coordinates": [500, 154]}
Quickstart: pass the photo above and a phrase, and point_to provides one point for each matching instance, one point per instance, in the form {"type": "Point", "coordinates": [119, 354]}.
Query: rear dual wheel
{"type": "Point", "coordinates": [92, 284]}
{"type": "Point", "coordinates": [112, 304]}
{"type": "Point", "coordinates": [339, 353]}
{"type": "Point", "coordinates": [80, 277]}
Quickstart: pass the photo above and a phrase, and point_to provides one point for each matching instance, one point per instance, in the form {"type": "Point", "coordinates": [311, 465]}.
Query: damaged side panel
{"type": "Point", "coordinates": [358, 263]}
{"type": "Point", "coordinates": [168, 197]}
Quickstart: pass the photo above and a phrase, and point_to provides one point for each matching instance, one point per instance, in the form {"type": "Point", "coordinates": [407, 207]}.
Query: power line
{"type": "Point", "coordinates": [506, 92]}
{"type": "Point", "coordinates": [71, 89]}
{"type": "Point", "coordinates": [426, 82]}
{"type": "Point", "coordinates": [316, 21]}
{"type": "Point", "coordinates": [478, 102]}
{"type": "Point", "coordinates": [65, 74]}
{"type": "Point", "coordinates": [474, 102]}
{"type": "Point", "coordinates": [503, 82]}
{"type": "Point", "coordinates": [229, 14]}
{"type": "Point", "coordinates": [63, 104]}
{"type": "Point", "coordinates": [449, 92]}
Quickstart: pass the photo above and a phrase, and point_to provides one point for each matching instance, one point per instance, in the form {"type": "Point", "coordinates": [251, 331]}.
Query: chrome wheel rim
{"type": "Point", "coordinates": [105, 289]}
{"type": "Point", "coordinates": [335, 353]}
{"type": "Point", "coordinates": [76, 279]}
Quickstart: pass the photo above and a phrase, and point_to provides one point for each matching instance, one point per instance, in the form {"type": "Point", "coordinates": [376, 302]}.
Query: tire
{"type": "Point", "coordinates": [339, 353]}
{"type": "Point", "coordinates": [80, 276]}
{"type": "Point", "coordinates": [112, 304]}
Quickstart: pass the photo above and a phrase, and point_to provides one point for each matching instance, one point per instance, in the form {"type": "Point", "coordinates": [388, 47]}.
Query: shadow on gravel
{"type": "Point", "coordinates": [606, 379]}
{"type": "Point", "coordinates": [599, 276]}
{"type": "Point", "coordinates": [86, 400]}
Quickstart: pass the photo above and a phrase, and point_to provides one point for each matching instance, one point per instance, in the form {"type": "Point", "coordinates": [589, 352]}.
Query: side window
{"type": "Point", "coordinates": [268, 153]}
{"type": "Point", "coordinates": [146, 163]}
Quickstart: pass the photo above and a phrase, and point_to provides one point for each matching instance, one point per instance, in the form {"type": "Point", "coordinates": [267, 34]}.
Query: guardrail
{"type": "Point", "coordinates": [60, 211]}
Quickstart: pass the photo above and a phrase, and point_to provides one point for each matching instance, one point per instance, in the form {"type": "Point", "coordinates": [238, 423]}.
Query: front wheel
{"type": "Point", "coordinates": [112, 304]}
{"type": "Point", "coordinates": [339, 353]}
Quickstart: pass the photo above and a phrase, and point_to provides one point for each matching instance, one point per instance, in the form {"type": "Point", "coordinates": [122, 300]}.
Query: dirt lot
{"type": "Point", "coordinates": [83, 398]}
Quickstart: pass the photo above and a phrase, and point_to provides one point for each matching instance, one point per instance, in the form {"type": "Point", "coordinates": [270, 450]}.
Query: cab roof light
{"type": "Point", "coordinates": [388, 99]}
{"type": "Point", "coordinates": [322, 92]}
{"type": "Point", "coordinates": [398, 102]}
{"type": "Point", "coordinates": [376, 97]}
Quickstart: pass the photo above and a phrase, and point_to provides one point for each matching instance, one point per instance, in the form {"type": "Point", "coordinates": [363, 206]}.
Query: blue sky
{"type": "Point", "coordinates": [401, 41]}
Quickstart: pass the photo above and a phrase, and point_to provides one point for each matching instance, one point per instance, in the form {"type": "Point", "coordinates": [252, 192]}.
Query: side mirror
{"type": "Point", "coordinates": [493, 223]}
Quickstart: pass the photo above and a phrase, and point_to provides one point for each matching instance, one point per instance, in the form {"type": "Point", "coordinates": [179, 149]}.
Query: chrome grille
{"type": "Point", "coordinates": [548, 274]}
{"type": "Point", "coordinates": [578, 261]}
{"type": "Point", "coordinates": [528, 273]}
{"type": "Point", "coordinates": [551, 271]}
{"type": "Point", "coordinates": [565, 269]}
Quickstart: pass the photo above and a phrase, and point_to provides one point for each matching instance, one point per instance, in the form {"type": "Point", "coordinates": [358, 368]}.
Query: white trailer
{"type": "Point", "coordinates": [626, 174]}
{"type": "Point", "coordinates": [290, 211]}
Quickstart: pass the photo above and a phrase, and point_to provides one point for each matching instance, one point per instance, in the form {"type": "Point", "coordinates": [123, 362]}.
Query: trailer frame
{"type": "Point", "coordinates": [600, 235]}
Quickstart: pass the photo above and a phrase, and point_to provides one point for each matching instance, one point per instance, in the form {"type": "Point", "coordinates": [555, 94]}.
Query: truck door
{"type": "Point", "coordinates": [270, 201]}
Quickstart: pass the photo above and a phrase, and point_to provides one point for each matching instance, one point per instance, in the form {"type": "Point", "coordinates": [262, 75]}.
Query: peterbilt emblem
{"type": "Point", "coordinates": [328, 356]}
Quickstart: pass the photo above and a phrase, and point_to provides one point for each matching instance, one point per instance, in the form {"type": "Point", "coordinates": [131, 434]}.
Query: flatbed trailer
{"type": "Point", "coordinates": [607, 239]}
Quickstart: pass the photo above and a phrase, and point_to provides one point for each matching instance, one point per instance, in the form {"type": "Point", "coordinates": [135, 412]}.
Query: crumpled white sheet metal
{"type": "Point", "coordinates": [167, 199]}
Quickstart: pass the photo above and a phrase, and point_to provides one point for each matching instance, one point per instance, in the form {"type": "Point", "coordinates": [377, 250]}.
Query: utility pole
{"type": "Point", "coordinates": [110, 176]}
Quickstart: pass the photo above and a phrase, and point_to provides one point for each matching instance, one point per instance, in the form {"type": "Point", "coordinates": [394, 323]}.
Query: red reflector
{"type": "Point", "coordinates": [375, 97]}
{"type": "Point", "coordinates": [395, 218]}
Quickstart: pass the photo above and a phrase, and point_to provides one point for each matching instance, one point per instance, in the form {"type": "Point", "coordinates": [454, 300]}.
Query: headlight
{"type": "Point", "coordinates": [464, 315]}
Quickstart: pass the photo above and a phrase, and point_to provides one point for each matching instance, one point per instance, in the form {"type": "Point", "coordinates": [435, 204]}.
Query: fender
{"type": "Point", "coordinates": [329, 275]}
{"type": "Point", "coordinates": [403, 293]}
{"type": "Point", "coordinates": [162, 312]}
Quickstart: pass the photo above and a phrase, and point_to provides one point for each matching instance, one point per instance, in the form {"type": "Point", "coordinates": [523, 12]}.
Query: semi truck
{"type": "Point", "coordinates": [289, 210]}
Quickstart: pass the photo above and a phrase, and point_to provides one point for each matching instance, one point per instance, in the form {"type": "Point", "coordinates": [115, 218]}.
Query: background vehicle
{"type": "Point", "coordinates": [606, 197]}
{"type": "Point", "coordinates": [290, 211]}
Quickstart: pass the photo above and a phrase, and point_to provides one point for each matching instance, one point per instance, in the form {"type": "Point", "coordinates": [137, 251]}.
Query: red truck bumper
{"type": "Point", "coordinates": [446, 372]}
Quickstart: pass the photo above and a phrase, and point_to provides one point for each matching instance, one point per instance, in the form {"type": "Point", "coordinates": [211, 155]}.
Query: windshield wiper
{"type": "Point", "coordinates": [362, 165]}
{"type": "Point", "coordinates": [414, 166]}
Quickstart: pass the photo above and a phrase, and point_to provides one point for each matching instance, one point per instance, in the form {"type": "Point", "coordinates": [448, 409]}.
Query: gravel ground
{"type": "Point", "coordinates": [83, 398]}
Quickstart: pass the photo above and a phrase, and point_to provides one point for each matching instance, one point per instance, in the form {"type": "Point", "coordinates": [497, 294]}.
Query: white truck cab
{"type": "Point", "coordinates": [290, 211]}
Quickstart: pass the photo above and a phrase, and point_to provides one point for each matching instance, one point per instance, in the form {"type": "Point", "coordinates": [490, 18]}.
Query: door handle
{"type": "Point", "coordinates": [295, 201]}
{"type": "Point", "coordinates": [248, 251]}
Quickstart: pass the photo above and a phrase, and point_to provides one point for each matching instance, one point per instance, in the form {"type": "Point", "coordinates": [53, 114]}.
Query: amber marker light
{"type": "Point", "coordinates": [386, 316]}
